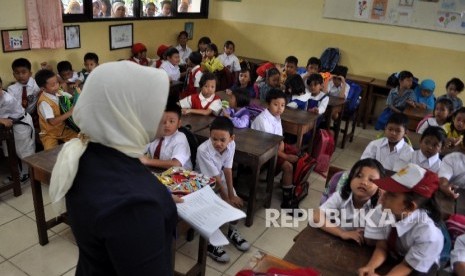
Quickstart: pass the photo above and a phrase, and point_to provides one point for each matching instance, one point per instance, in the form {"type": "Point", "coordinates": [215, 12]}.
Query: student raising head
{"type": "Point", "coordinates": [454, 87]}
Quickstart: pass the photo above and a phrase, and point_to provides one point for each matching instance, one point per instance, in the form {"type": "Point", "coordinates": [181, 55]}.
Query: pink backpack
{"type": "Point", "coordinates": [423, 121]}
{"type": "Point", "coordinates": [323, 150]}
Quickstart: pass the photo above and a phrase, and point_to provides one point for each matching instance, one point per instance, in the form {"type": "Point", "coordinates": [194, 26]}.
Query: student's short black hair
{"type": "Point", "coordinates": [204, 40]}
{"type": "Point", "coordinates": [291, 59]}
{"type": "Point", "coordinates": [91, 56]}
{"type": "Point", "coordinates": [447, 103]}
{"type": "Point", "coordinates": [150, 4]}
{"type": "Point", "coordinates": [64, 66]}
{"type": "Point", "coordinates": [457, 82]}
{"type": "Point", "coordinates": [229, 43]}
{"type": "Point", "coordinates": [213, 47]}
{"type": "Point", "coordinates": [398, 119]}
{"type": "Point", "coordinates": [195, 58]}
{"type": "Point", "coordinates": [271, 72]}
{"type": "Point", "coordinates": [171, 51]}
{"type": "Point", "coordinates": [206, 77]}
{"type": "Point", "coordinates": [173, 107]}
{"type": "Point", "coordinates": [315, 77]}
{"type": "Point", "coordinates": [404, 74]}
{"type": "Point", "coordinates": [222, 123]}
{"type": "Point", "coordinates": [314, 60]}
{"type": "Point", "coordinates": [21, 62]}
{"type": "Point", "coordinates": [43, 76]}
{"type": "Point", "coordinates": [295, 84]}
{"type": "Point", "coordinates": [162, 3]}
{"type": "Point", "coordinates": [183, 33]}
{"type": "Point", "coordinates": [274, 94]}
{"type": "Point", "coordinates": [435, 131]}
{"type": "Point", "coordinates": [242, 97]}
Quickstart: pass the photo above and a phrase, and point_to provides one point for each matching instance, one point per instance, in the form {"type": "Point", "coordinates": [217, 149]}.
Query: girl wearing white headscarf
{"type": "Point", "coordinates": [118, 10]}
{"type": "Point", "coordinates": [122, 217]}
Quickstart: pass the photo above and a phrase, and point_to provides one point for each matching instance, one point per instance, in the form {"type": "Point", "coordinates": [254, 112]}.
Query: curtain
{"type": "Point", "coordinates": [45, 24]}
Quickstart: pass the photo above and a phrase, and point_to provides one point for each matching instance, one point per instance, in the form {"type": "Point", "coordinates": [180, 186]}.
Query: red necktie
{"type": "Point", "coordinates": [24, 97]}
{"type": "Point", "coordinates": [156, 154]}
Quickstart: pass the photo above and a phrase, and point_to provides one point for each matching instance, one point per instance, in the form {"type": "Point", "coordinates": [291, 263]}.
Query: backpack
{"type": "Point", "coordinates": [334, 185]}
{"type": "Point", "coordinates": [329, 59]}
{"type": "Point", "coordinates": [302, 170]}
{"type": "Point", "coordinates": [193, 143]}
{"type": "Point", "coordinates": [254, 111]}
{"type": "Point", "coordinates": [353, 99]}
{"type": "Point", "coordinates": [423, 121]}
{"type": "Point", "coordinates": [322, 151]}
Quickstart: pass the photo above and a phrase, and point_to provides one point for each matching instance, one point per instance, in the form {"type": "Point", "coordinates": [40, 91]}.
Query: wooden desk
{"type": "Point", "coordinates": [364, 83]}
{"type": "Point", "coordinates": [40, 170]}
{"type": "Point", "coordinates": [6, 133]}
{"type": "Point", "coordinates": [254, 149]}
{"type": "Point", "coordinates": [415, 115]}
{"type": "Point", "coordinates": [377, 88]}
{"type": "Point", "coordinates": [329, 254]}
{"type": "Point", "coordinates": [334, 103]}
{"type": "Point", "coordinates": [196, 122]}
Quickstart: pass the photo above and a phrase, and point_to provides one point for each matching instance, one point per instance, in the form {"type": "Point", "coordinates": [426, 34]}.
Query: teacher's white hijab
{"type": "Point", "coordinates": [120, 107]}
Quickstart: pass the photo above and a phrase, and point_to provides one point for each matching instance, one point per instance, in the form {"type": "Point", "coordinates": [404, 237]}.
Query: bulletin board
{"type": "Point", "coordinates": [438, 15]}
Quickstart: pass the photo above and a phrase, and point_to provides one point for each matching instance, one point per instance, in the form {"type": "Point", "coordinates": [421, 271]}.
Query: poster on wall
{"type": "Point", "coordinates": [449, 20]}
{"type": "Point", "coordinates": [378, 11]}
{"type": "Point", "coordinates": [361, 9]}
{"type": "Point", "coordinates": [15, 40]}
{"type": "Point", "coordinates": [406, 3]}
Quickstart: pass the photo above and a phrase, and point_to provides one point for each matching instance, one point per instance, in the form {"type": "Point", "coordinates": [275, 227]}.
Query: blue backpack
{"type": "Point", "coordinates": [329, 59]}
{"type": "Point", "coordinates": [353, 99]}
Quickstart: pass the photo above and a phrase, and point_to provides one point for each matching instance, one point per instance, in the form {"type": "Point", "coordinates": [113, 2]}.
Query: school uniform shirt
{"type": "Point", "coordinates": [417, 157]}
{"type": "Point", "coordinates": [173, 71]}
{"type": "Point", "coordinates": [453, 168]}
{"type": "Point", "coordinates": [211, 163]}
{"type": "Point", "coordinates": [33, 90]}
{"type": "Point", "coordinates": [419, 241]}
{"type": "Point", "coordinates": [322, 99]}
{"type": "Point", "coordinates": [451, 133]}
{"type": "Point", "coordinates": [174, 146]}
{"type": "Point", "coordinates": [76, 77]}
{"type": "Point", "coordinates": [336, 91]}
{"type": "Point", "coordinates": [266, 122]}
{"type": "Point", "coordinates": [299, 101]}
{"type": "Point", "coordinates": [400, 101]}
{"type": "Point", "coordinates": [379, 150]}
{"type": "Point", "coordinates": [458, 253]}
{"type": "Point", "coordinates": [456, 102]}
{"type": "Point", "coordinates": [336, 202]}
{"type": "Point", "coordinates": [183, 53]}
{"type": "Point", "coordinates": [45, 109]}
{"type": "Point", "coordinates": [10, 107]}
{"type": "Point", "coordinates": [231, 61]}
{"type": "Point", "coordinates": [197, 76]}
{"type": "Point", "coordinates": [431, 122]}
{"type": "Point", "coordinates": [215, 104]}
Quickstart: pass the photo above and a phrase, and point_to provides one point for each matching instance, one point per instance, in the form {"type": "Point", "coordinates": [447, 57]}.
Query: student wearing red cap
{"type": "Point", "coordinates": [414, 239]}
{"type": "Point", "coordinates": [161, 54]}
{"type": "Point", "coordinates": [139, 54]}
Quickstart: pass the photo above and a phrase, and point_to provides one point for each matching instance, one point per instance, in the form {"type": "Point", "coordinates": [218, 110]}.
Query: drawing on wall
{"type": "Point", "coordinates": [449, 20]}
{"type": "Point", "coordinates": [361, 8]}
{"type": "Point", "coordinates": [378, 11]}
{"type": "Point", "coordinates": [448, 4]}
{"type": "Point", "coordinates": [406, 3]}
{"type": "Point", "coordinates": [15, 40]}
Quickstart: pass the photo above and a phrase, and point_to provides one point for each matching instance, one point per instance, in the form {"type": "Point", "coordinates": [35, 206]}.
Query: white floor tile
{"type": "Point", "coordinates": [183, 263]}
{"type": "Point", "coordinates": [55, 258]}
{"type": "Point", "coordinates": [276, 241]}
{"type": "Point", "coordinates": [24, 203]}
{"type": "Point", "coordinates": [212, 272]}
{"type": "Point", "coordinates": [242, 262]}
{"type": "Point", "coordinates": [8, 269]}
{"type": "Point", "coordinates": [49, 214]}
{"type": "Point", "coordinates": [7, 213]}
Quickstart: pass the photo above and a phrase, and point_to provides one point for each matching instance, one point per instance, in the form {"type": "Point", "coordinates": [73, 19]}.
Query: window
{"type": "Point", "coordinates": [99, 10]}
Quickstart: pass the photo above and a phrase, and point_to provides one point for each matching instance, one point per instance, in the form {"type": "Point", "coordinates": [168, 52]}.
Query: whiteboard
{"type": "Point", "coordinates": [438, 15]}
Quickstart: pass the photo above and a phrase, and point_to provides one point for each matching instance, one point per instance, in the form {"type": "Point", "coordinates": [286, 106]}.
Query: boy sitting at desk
{"type": "Point", "coordinates": [67, 77]}
{"type": "Point", "coordinates": [172, 149]}
{"type": "Point", "coordinates": [270, 121]}
{"type": "Point", "coordinates": [452, 172]}
{"type": "Point", "coordinates": [12, 115]}
{"type": "Point", "coordinates": [392, 149]}
{"type": "Point", "coordinates": [215, 159]}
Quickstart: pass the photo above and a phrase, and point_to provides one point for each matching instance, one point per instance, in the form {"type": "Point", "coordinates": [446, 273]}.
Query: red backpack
{"type": "Point", "coordinates": [302, 170]}
{"type": "Point", "coordinates": [323, 150]}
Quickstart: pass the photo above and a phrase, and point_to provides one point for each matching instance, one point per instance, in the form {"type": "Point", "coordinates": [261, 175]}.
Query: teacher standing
{"type": "Point", "coordinates": [122, 217]}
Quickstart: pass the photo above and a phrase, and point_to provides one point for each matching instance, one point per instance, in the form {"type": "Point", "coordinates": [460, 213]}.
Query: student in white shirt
{"type": "Point", "coordinates": [22, 73]}
{"type": "Point", "coordinates": [413, 239]}
{"type": "Point", "coordinates": [206, 102]}
{"type": "Point", "coordinates": [337, 86]}
{"type": "Point", "coordinates": [68, 78]}
{"type": "Point", "coordinates": [171, 64]}
{"type": "Point", "coordinates": [391, 150]}
{"type": "Point", "coordinates": [431, 142]}
{"type": "Point", "coordinates": [229, 59]}
{"type": "Point", "coordinates": [215, 159]}
{"type": "Point", "coordinates": [183, 49]}
{"type": "Point", "coordinates": [318, 100]}
{"type": "Point", "coordinates": [452, 172]}
{"type": "Point", "coordinates": [442, 111]}
{"type": "Point", "coordinates": [174, 149]}
{"type": "Point", "coordinates": [457, 256]}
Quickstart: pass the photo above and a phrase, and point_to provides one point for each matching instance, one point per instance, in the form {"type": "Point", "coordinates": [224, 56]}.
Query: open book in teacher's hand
{"type": "Point", "coordinates": [206, 212]}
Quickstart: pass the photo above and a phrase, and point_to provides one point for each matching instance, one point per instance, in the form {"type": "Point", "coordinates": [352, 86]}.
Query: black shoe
{"type": "Point", "coordinates": [23, 178]}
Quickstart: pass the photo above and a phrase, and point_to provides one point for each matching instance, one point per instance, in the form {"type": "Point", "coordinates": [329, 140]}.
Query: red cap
{"type": "Point", "coordinates": [261, 71]}
{"type": "Point", "coordinates": [412, 178]}
{"type": "Point", "coordinates": [162, 49]}
{"type": "Point", "coordinates": [138, 48]}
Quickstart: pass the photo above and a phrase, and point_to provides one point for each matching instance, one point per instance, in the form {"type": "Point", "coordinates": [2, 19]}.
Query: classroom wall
{"type": "Point", "coordinates": [94, 38]}
{"type": "Point", "coordinates": [278, 28]}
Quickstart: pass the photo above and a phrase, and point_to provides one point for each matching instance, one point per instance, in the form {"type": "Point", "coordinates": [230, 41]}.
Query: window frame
{"type": "Point", "coordinates": [86, 16]}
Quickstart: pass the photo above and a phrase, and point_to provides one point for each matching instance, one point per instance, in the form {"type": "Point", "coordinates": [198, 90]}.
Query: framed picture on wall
{"type": "Point", "coordinates": [15, 40]}
{"type": "Point", "coordinates": [72, 37]}
{"type": "Point", "coordinates": [121, 36]}
{"type": "Point", "coordinates": [189, 28]}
